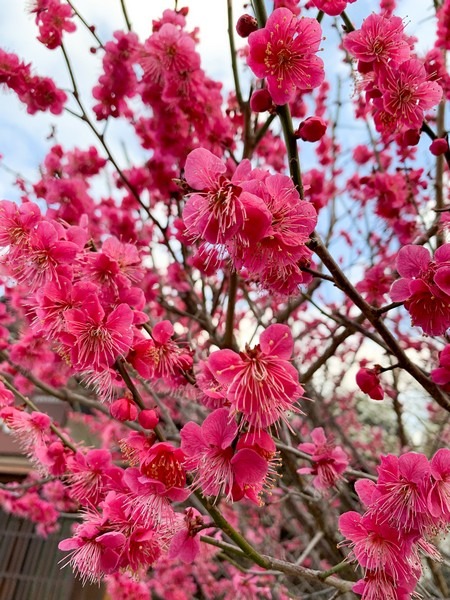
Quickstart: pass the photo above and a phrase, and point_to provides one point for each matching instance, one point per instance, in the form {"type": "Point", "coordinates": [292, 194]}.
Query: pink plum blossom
{"type": "Point", "coordinates": [89, 475]}
{"type": "Point", "coordinates": [407, 92]}
{"type": "Point", "coordinates": [380, 39]}
{"type": "Point", "coordinates": [160, 356]}
{"type": "Point", "coordinates": [403, 486]}
{"type": "Point", "coordinates": [329, 461]}
{"type": "Point", "coordinates": [424, 287]}
{"type": "Point", "coordinates": [95, 338]}
{"type": "Point", "coordinates": [219, 468]}
{"type": "Point", "coordinates": [277, 257]}
{"type": "Point", "coordinates": [377, 547]}
{"type": "Point", "coordinates": [185, 544]}
{"type": "Point", "coordinates": [284, 52]}
{"type": "Point", "coordinates": [332, 7]}
{"type": "Point", "coordinates": [260, 382]}
{"type": "Point", "coordinates": [160, 479]}
{"type": "Point", "coordinates": [439, 494]}
{"type": "Point", "coordinates": [220, 208]}
{"type": "Point", "coordinates": [93, 553]}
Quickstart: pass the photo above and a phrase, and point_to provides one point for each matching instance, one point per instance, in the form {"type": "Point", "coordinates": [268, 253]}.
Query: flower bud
{"type": "Point", "coordinates": [123, 409]}
{"type": "Point", "coordinates": [411, 137]}
{"type": "Point", "coordinates": [261, 101]}
{"type": "Point", "coordinates": [439, 146]}
{"type": "Point", "coordinates": [148, 419]}
{"type": "Point", "coordinates": [246, 25]}
{"type": "Point", "coordinates": [311, 129]}
{"type": "Point", "coordinates": [368, 381]}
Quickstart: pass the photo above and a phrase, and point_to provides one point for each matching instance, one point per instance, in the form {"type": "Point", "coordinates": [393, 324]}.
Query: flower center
{"type": "Point", "coordinates": [165, 468]}
{"type": "Point", "coordinates": [284, 57]}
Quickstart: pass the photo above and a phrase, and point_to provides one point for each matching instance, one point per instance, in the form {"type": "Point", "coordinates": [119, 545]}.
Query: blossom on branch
{"type": "Point", "coordinates": [284, 52]}
{"type": "Point", "coordinates": [221, 466]}
{"type": "Point", "coordinates": [220, 208]}
{"type": "Point", "coordinates": [424, 287]}
{"type": "Point", "coordinates": [332, 7]}
{"type": "Point", "coordinates": [329, 462]}
{"type": "Point", "coordinates": [260, 382]}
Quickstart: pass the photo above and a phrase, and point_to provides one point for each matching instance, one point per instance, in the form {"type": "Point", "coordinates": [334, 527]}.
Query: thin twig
{"type": "Point", "coordinates": [228, 338]}
{"type": "Point", "coordinates": [125, 15]}
{"type": "Point", "coordinates": [90, 28]}
{"type": "Point", "coordinates": [234, 67]}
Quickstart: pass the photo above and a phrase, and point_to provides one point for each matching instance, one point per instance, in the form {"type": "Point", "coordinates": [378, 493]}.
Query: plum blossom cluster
{"type": "Point", "coordinates": [36, 92]}
{"type": "Point", "coordinates": [119, 80]}
{"type": "Point", "coordinates": [258, 385]}
{"type": "Point", "coordinates": [40, 503]}
{"type": "Point", "coordinates": [224, 462]}
{"type": "Point", "coordinates": [394, 195]}
{"type": "Point", "coordinates": [87, 302]}
{"type": "Point", "coordinates": [53, 18]}
{"type": "Point", "coordinates": [424, 287]}
{"type": "Point", "coordinates": [130, 520]}
{"type": "Point", "coordinates": [257, 217]}
{"type": "Point", "coordinates": [405, 508]}
{"type": "Point", "coordinates": [398, 89]}
{"type": "Point", "coordinates": [179, 92]}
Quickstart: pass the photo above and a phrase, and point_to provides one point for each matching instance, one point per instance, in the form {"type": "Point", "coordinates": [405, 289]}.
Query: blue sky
{"type": "Point", "coordinates": [23, 140]}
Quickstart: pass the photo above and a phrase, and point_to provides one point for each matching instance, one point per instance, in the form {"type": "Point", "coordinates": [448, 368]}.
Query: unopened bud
{"type": "Point", "coordinates": [311, 129]}
{"type": "Point", "coordinates": [411, 137]}
{"type": "Point", "coordinates": [261, 101]}
{"type": "Point", "coordinates": [439, 146]}
{"type": "Point", "coordinates": [246, 25]}
{"type": "Point", "coordinates": [123, 409]}
{"type": "Point", "coordinates": [148, 419]}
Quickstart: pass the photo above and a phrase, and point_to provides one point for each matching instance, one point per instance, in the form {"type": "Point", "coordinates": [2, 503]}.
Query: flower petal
{"type": "Point", "coordinates": [412, 260]}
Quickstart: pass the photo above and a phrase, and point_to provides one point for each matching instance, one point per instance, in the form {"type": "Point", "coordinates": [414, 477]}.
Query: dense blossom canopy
{"type": "Point", "coordinates": [241, 307]}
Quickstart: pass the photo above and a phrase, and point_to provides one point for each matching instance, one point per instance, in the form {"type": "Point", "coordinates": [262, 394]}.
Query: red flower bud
{"type": "Point", "coordinates": [311, 129]}
{"type": "Point", "coordinates": [439, 146]}
{"type": "Point", "coordinates": [123, 409]}
{"type": "Point", "coordinates": [261, 101]}
{"type": "Point", "coordinates": [368, 382]}
{"type": "Point", "coordinates": [148, 419]}
{"type": "Point", "coordinates": [411, 137]}
{"type": "Point", "coordinates": [246, 25]}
